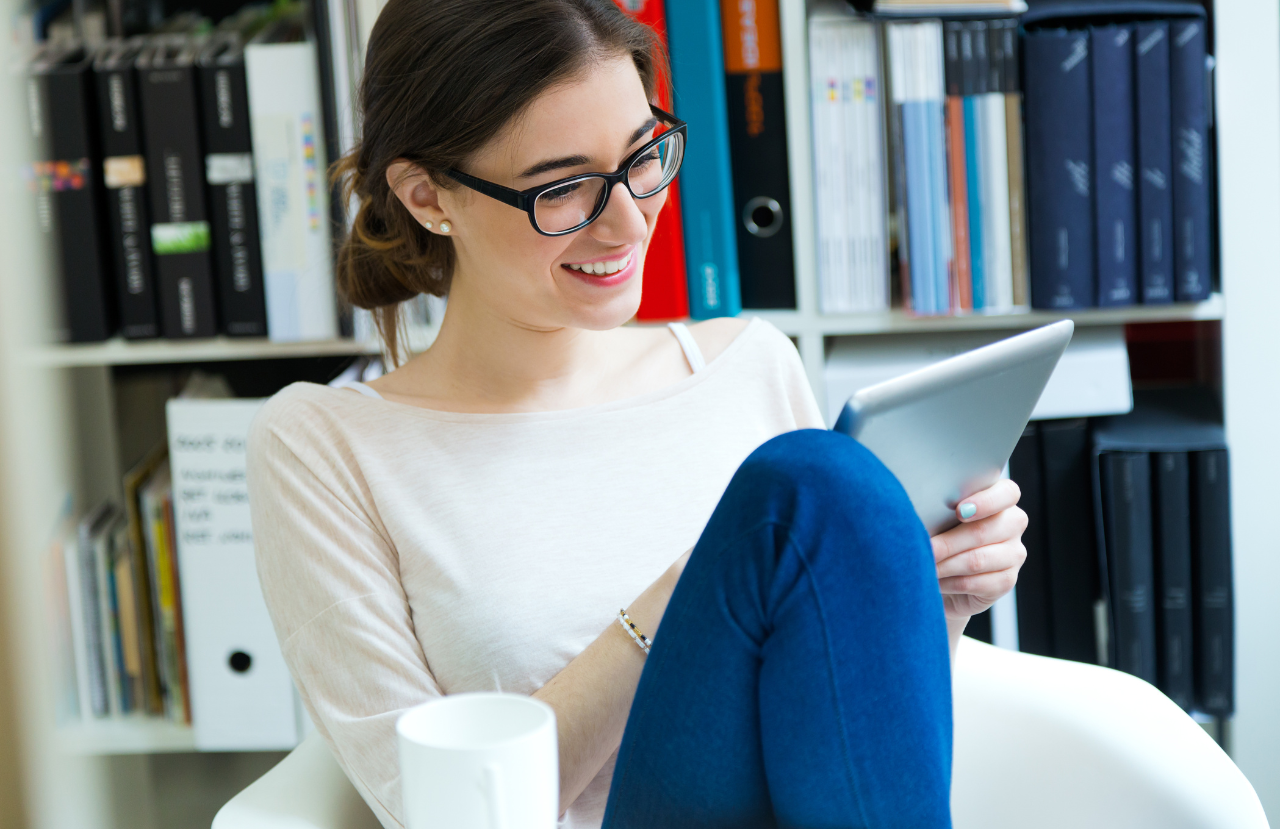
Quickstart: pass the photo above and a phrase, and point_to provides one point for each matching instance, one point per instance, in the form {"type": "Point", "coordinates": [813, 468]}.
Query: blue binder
{"type": "Point", "coordinates": [706, 192]}
{"type": "Point", "coordinates": [1111, 50]}
{"type": "Point", "coordinates": [974, 80]}
{"type": "Point", "coordinates": [1059, 138]}
{"type": "Point", "coordinates": [1155, 151]}
{"type": "Point", "coordinates": [1189, 111]}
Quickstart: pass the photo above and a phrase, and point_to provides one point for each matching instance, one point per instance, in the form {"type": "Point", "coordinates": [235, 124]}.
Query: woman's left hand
{"type": "Point", "coordinates": [978, 561]}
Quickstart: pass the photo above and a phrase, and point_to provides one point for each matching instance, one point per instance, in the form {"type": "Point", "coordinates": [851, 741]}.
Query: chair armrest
{"type": "Point", "coordinates": [305, 790]}
{"type": "Point", "coordinates": [1051, 743]}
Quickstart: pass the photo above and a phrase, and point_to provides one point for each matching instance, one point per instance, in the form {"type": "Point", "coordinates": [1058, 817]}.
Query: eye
{"type": "Point", "coordinates": [650, 156]}
{"type": "Point", "coordinates": [562, 192]}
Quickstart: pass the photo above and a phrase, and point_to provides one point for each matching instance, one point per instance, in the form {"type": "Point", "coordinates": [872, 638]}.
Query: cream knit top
{"type": "Point", "coordinates": [406, 553]}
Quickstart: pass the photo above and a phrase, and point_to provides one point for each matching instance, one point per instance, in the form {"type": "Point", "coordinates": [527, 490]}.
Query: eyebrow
{"type": "Point", "coordinates": [578, 160]}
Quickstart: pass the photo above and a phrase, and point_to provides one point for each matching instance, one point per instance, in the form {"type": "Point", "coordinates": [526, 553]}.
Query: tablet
{"type": "Point", "coordinates": [947, 430]}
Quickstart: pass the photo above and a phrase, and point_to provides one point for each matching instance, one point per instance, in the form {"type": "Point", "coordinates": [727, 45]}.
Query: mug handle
{"type": "Point", "coordinates": [492, 786]}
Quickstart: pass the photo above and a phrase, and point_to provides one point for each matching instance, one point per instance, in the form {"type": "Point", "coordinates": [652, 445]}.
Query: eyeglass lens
{"type": "Point", "coordinates": [574, 203]}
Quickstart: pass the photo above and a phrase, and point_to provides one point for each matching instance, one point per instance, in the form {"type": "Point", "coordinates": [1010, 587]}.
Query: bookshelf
{"type": "Point", "coordinates": [57, 414]}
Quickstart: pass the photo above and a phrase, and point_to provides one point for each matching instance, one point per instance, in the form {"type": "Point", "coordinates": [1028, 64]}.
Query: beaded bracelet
{"type": "Point", "coordinates": [633, 631]}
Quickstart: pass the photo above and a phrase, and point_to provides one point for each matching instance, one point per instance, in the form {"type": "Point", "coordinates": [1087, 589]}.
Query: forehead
{"type": "Point", "coordinates": [591, 114]}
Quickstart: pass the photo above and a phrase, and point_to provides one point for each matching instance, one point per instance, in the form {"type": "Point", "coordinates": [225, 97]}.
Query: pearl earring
{"type": "Point", "coordinates": [445, 227]}
{"type": "Point", "coordinates": [427, 224]}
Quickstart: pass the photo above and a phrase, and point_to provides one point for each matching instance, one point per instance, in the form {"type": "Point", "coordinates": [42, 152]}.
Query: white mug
{"type": "Point", "coordinates": [479, 761]}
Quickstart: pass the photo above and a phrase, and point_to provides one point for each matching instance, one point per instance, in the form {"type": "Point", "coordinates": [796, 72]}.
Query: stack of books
{"type": "Point", "coordinates": [1129, 545]}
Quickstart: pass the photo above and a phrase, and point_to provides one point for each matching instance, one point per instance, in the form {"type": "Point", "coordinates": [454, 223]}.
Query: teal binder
{"type": "Point", "coordinates": [706, 190]}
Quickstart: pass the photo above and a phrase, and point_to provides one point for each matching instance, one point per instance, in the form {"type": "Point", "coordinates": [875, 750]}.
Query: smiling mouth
{"type": "Point", "coordinates": [606, 268]}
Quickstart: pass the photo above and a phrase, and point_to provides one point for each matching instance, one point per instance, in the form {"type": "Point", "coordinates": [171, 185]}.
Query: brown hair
{"type": "Point", "coordinates": [442, 78]}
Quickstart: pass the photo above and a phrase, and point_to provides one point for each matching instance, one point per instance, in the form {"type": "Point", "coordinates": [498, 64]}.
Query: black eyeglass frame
{"type": "Point", "coordinates": [526, 199]}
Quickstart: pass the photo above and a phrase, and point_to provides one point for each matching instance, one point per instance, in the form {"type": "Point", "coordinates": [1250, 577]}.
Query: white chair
{"type": "Point", "coordinates": [1039, 743]}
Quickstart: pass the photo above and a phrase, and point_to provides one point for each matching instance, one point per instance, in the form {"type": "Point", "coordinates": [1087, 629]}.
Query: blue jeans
{"type": "Point", "coordinates": [801, 676]}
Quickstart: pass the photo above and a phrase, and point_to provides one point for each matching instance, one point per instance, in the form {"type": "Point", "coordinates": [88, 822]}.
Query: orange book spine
{"type": "Point", "coordinates": [961, 275]}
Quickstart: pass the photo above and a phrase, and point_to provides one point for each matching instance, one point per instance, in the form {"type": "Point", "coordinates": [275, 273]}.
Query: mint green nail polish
{"type": "Point", "coordinates": [968, 510]}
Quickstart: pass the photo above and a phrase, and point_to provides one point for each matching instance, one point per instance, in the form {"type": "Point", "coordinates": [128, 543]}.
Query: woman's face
{"type": "Point", "coordinates": [590, 125]}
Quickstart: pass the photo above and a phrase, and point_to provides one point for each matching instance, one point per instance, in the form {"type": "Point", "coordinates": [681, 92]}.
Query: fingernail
{"type": "Point", "coordinates": [968, 510]}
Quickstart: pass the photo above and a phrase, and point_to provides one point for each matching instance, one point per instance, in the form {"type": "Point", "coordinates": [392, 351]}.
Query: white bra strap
{"type": "Point", "coordinates": [363, 389]}
{"type": "Point", "coordinates": [690, 347]}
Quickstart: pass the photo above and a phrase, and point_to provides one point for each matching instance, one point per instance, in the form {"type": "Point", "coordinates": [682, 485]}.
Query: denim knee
{"type": "Point", "coordinates": [828, 464]}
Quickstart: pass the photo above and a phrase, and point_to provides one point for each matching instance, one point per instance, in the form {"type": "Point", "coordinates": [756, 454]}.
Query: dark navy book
{"type": "Point", "coordinates": [1059, 144]}
{"type": "Point", "coordinates": [1155, 151]}
{"type": "Point", "coordinates": [1190, 117]}
{"type": "Point", "coordinates": [1113, 160]}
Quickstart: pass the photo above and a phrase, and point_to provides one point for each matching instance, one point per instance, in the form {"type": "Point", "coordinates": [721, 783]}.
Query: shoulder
{"type": "Point", "coordinates": [299, 415]}
{"type": "Point", "coordinates": [714, 336]}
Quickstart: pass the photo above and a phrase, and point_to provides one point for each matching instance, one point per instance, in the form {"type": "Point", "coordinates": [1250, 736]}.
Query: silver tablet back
{"type": "Point", "coordinates": [947, 430]}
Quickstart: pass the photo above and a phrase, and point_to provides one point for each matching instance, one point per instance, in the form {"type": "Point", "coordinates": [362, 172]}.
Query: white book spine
{"type": "Point", "coordinates": [997, 242]}
{"type": "Point", "coordinates": [292, 181]}
{"type": "Point", "coordinates": [107, 619]}
{"type": "Point", "coordinates": [79, 633]}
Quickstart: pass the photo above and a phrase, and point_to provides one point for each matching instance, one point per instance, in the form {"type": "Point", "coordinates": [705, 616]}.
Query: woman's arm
{"type": "Point", "coordinates": [592, 694]}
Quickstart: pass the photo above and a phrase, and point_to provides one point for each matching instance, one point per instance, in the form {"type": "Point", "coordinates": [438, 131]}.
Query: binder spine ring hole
{"type": "Point", "coordinates": [240, 662]}
{"type": "Point", "coordinates": [762, 216]}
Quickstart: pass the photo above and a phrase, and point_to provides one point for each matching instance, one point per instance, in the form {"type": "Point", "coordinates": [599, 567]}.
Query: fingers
{"type": "Point", "coordinates": [1003, 526]}
{"type": "Point", "coordinates": [999, 496]}
{"type": "Point", "coordinates": [994, 558]}
{"type": "Point", "coordinates": [986, 588]}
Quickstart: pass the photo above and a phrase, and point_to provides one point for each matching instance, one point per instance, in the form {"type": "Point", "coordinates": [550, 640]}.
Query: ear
{"type": "Point", "coordinates": [415, 190]}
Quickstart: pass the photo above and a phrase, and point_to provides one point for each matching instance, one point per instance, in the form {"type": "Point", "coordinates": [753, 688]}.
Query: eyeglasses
{"type": "Point", "coordinates": [570, 204]}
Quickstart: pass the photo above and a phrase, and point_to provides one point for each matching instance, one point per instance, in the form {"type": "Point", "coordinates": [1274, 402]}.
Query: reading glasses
{"type": "Point", "coordinates": [570, 204]}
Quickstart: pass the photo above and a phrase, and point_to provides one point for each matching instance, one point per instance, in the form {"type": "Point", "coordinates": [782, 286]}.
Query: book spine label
{"type": "Point", "coordinates": [758, 151]}
{"type": "Point", "coordinates": [1017, 179]}
{"type": "Point", "coordinates": [125, 176]}
{"type": "Point", "coordinates": [1172, 499]}
{"type": "Point", "coordinates": [697, 69]}
{"type": "Point", "coordinates": [1035, 617]}
{"type": "Point", "coordinates": [1111, 50]}
{"type": "Point", "coordinates": [962, 284]}
{"type": "Point", "coordinates": [1071, 541]}
{"type": "Point", "coordinates": [229, 173]}
{"type": "Point", "coordinates": [1155, 161]}
{"type": "Point", "coordinates": [180, 233]}
{"type": "Point", "coordinates": [1191, 163]}
{"type": "Point", "coordinates": [1059, 136]}
{"type": "Point", "coordinates": [1214, 601]}
{"type": "Point", "coordinates": [1126, 489]}
{"type": "Point", "coordinates": [67, 179]}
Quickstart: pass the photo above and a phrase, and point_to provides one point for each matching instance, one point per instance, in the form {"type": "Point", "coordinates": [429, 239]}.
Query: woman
{"type": "Point", "coordinates": [475, 519]}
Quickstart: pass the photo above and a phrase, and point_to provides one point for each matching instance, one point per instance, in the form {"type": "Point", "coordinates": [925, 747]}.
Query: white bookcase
{"type": "Point", "coordinates": [58, 422]}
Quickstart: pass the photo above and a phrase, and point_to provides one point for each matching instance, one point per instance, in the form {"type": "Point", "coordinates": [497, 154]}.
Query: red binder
{"type": "Point", "coordinates": [666, 294]}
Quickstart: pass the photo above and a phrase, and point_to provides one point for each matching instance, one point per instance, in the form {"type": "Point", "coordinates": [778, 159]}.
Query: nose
{"type": "Point", "coordinates": [622, 222]}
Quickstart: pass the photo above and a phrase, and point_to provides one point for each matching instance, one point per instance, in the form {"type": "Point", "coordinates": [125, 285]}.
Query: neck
{"type": "Point", "coordinates": [486, 360]}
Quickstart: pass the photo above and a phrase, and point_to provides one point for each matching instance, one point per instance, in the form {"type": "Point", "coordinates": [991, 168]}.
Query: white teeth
{"type": "Point", "coordinates": [603, 268]}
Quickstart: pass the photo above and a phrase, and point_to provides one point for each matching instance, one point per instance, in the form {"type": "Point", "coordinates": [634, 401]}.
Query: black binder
{"type": "Point", "coordinates": [1155, 187]}
{"type": "Point", "coordinates": [758, 154]}
{"type": "Point", "coordinates": [125, 176]}
{"type": "Point", "coordinates": [1191, 159]}
{"type": "Point", "coordinates": [1126, 514]}
{"type": "Point", "coordinates": [1214, 602]}
{"type": "Point", "coordinates": [1171, 500]}
{"type": "Point", "coordinates": [67, 175]}
{"type": "Point", "coordinates": [1035, 602]}
{"type": "Point", "coordinates": [1059, 147]}
{"type": "Point", "coordinates": [1114, 164]}
{"type": "Point", "coordinates": [233, 201]}
{"type": "Point", "coordinates": [180, 233]}
{"type": "Point", "coordinates": [1073, 556]}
